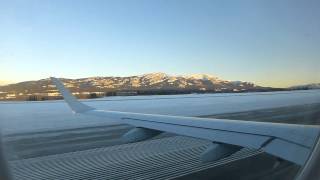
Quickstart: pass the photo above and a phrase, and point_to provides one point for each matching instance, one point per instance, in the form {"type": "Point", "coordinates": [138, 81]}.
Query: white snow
{"type": "Point", "coordinates": [17, 117]}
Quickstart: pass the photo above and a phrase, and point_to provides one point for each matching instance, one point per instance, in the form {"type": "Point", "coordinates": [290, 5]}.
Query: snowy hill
{"type": "Point", "coordinates": [158, 83]}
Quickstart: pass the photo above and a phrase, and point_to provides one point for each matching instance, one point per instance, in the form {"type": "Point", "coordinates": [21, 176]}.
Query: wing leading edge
{"type": "Point", "coordinates": [287, 141]}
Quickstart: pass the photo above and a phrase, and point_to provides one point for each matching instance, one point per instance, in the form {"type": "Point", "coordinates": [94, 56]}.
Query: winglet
{"type": "Point", "coordinates": [73, 103]}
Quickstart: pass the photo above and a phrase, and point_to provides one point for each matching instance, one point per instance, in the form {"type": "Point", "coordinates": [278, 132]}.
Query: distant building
{"type": "Point", "coordinates": [40, 94]}
{"type": "Point", "coordinates": [69, 85]}
{"type": "Point", "coordinates": [10, 96]}
{"type": "Point", "coordinates": [85, 93]}
{"type": "Point", "coordinates": [99, 93]}
{"type": "Point", "coordinates": [53, 94]}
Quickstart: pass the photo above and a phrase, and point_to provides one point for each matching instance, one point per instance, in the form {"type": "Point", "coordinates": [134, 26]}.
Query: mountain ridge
{"type": "Point", "coordinates": [150, 83]}
{"type": "Point", "coordinates": [306, 86]}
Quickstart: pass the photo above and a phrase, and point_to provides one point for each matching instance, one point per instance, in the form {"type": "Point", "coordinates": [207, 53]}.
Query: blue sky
{"type": "Point", "coordinates": [268, 42]}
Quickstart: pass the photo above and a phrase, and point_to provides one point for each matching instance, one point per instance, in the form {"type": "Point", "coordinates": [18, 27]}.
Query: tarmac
{"type": "Point", "coordinates": [98, 152]}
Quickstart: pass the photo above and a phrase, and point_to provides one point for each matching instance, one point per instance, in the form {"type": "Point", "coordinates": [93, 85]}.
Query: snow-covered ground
{"type": "Point", "coordinates": [19, 117]}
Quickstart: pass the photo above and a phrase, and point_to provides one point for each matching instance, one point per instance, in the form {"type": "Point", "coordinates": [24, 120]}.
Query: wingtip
{"type": "Point", "coordinates": [73, 103]}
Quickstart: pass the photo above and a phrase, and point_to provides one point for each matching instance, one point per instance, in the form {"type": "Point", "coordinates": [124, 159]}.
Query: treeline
{"type": "Point", "coordinates": [144, 92]}
{"type": "Point", "coordinates": [45, 98]}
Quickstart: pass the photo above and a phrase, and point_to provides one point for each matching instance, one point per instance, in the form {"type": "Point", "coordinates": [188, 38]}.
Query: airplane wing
{"type": "Point", "coordinates": [287, 141]}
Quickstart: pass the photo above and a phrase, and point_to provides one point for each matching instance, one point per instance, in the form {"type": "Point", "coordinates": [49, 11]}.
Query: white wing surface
{"type": "Point", "coordinates": [287, 141]}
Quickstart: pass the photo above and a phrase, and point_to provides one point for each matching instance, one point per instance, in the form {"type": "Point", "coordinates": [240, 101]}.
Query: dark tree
{"type": "Point", "coordinates": [92, 95]}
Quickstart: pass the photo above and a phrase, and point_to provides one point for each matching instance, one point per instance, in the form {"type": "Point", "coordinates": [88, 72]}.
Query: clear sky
{"type": "Point", "coordinates": [268, 42]}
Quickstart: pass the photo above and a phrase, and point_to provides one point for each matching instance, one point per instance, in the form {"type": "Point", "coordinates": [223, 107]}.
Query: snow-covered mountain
{"type": "Point", "coordinates": [159, 82]}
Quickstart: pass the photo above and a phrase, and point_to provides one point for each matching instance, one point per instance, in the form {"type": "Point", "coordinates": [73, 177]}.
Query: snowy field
{"type": "Point", "coordinates": [20, 117]}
